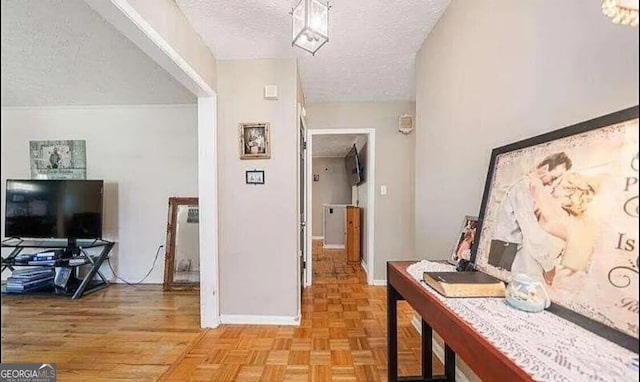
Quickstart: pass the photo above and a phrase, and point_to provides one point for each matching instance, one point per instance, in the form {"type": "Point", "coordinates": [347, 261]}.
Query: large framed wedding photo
{"type": "Point", "coordinates": [254, 141]}
{"type": "Point", "coordinates": [562, 207]}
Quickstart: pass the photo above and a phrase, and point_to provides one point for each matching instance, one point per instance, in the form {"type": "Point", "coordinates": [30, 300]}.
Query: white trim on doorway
{"type": "Point", "coordinates": [124, 17]}
{"type": "Point", "coordinates": [371, 188]}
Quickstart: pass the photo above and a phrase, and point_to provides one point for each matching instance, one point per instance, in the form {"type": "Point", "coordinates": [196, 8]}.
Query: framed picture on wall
{"type": "Point", "coordinates": [58, 159]}
{"type": "Point", "coordinates": [254, 141]}
{"type": "Point", "coordinates": [562, 208]}
{"type": "Point", "coordinates": [254, 177]}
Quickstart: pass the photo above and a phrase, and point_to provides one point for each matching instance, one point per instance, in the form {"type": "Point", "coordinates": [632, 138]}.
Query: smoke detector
{"type": "Point", "coordinates": [405, 124]}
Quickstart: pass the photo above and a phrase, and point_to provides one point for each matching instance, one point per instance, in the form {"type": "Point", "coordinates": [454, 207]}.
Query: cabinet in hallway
{"type": "Point", "coordinates": [353, 234]}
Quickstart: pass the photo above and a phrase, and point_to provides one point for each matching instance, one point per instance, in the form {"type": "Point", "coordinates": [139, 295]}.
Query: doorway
{"type": "Point", "coordinates": [365, 192]}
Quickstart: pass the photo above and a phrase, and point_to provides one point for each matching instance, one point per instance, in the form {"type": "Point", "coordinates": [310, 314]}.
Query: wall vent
{"type": "Point", "coordinates": [405, 124]}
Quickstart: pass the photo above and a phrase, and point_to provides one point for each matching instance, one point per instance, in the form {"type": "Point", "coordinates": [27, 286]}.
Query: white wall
{"type": "Point", "coordinates": [394, 212]}
{"type": "Point", "coordinates": [332, 188]}
{"type": "Point", "coordinates": [496, 71]}
{"type": "Point", "coordinates": [166, 18]}
{"type": "Point", "coordinates": [145, 154]}
{"type": "Point", "coordinates": [258, 223]}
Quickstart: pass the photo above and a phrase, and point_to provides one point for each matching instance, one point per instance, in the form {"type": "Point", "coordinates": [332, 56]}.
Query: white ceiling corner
{"type": "Point", "coordinates": [370, 55]}
{"type": "Point", "coordinates": [61, 52]}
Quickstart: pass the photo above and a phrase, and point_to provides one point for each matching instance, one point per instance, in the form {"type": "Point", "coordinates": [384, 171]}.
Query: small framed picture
{"type": "Point", "coordinates": [192, 215]}
{"type": "Point", "coordinates": [464, 243]}
{"type": "Point", "coordinates": [254, 141]}
{"type": "Point", "coordinates": [254, 177]}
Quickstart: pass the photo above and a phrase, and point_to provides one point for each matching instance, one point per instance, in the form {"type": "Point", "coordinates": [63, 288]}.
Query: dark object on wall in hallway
{"type": "Point", "coordinates": [355, 173]}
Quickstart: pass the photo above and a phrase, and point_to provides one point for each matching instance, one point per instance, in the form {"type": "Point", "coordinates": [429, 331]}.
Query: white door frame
{"type": "Point", "coordinates": [301, 120]}
{"type": "Point", "coordinates": [371, 188]}
{"type": "Point", "coordinates": [132, 25]}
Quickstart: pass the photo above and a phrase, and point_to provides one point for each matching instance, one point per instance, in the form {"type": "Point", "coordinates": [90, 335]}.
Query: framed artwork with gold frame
{"type": "Point", "coordinates": [255, 142]}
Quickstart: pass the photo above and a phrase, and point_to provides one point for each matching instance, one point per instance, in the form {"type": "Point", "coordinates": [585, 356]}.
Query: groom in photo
{"type": "Point", "coordinates": [517, 231]}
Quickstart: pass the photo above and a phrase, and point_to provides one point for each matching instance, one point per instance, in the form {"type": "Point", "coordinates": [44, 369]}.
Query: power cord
{"type": "Point", "coordinates": [145, 276]}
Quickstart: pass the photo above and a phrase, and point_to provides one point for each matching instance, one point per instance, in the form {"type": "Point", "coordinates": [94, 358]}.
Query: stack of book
{"type": "Point", "coordinates": [45, 258]}
{"type": "Point", "coordinates": [30, 279]}
{"type": "Point", "coordinates": [24, 258]}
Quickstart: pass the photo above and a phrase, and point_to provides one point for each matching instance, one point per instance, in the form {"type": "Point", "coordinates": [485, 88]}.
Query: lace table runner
{"type": "Point", "coordinates": [545, 346]}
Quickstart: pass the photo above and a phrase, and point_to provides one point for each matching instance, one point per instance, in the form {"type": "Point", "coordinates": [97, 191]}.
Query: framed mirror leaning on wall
{"type": "Point", "coordinates": [182, 259]}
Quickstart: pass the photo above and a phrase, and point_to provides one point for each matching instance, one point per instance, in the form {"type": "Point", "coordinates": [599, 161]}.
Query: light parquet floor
{"type": "Point", "coordinates": [142, 334]}
{"type": "Point", "coordinates": [342, 336]}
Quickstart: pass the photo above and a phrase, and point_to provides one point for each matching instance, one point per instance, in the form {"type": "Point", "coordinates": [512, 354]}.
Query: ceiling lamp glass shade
{"type": "Point", "coordinates": [621, 11]}
{"type": "Point", "coordinates": [310, 25]}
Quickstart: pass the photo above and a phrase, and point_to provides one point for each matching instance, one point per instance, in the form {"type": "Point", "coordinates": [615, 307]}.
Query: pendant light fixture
{"type": "Point", "coordinates": [310, 25]}
{"type": "Point", "coordinates": [621, 11]}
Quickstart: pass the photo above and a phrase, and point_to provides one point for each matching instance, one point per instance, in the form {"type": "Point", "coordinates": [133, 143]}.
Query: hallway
{"type": "Point", "coordinates": [341, 337]}
{"type": "Point", "coordinates": [330, 266]}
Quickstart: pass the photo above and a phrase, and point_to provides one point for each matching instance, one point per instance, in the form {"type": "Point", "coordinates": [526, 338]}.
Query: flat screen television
{"type": "Point", "coordinates": [353, 166]}
{"type": "Point", "coordinates": [70, 209]}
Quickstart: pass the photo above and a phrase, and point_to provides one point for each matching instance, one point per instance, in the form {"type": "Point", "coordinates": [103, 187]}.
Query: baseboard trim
{"type": "Point", "coordinates": [438, 349]}
{"type": "Point", "coordinates": [380, 282]}
{"type": "Point", "coordinates": [333, 246]}
{"type": "Point", "coordinates": [317, 237]}
{"type": "Point", "coordinates": [259, 320]}
{"type": "Point", "coordinates": [364, 266]}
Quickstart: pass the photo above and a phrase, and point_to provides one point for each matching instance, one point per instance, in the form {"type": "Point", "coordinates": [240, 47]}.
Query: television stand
{"type": "Point", "coordinates": [80, 258]}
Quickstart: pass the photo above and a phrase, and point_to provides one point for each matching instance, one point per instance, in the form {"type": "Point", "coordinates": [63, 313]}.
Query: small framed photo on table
{"type": "Point", "coordinates": [254, 176]}
{"type": "Point", "coordinates": [464, 243]}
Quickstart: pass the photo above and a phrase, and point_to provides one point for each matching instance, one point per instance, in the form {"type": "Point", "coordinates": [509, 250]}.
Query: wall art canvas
{"type": "Point", "coordinates": [563, 208]}
{"type": "Point", "coordinates": [62, 159]}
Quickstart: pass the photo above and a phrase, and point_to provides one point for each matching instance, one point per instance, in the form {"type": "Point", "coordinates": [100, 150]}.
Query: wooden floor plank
{"type": "Point", "coordinates": [342, 334]}
{"type": "Point", "coordinates": [144, 334]}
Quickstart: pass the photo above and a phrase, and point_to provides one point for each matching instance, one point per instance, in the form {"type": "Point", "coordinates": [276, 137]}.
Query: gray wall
{"type": "Point", "coordinates": [394, 212]}
{"type": "Point", "coordinates": [335, 219]}
{"type": "Point", "coordinates": [496, 71]}
{"type": "Point", "coordinates": [258, 224]}
{"type": "Point", "coordinates": [331, 188]}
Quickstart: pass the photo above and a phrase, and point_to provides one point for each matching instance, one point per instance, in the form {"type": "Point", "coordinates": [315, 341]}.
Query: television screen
{"type": "Point", "coordinates": [54, 209]}
{"type": "Point", "coordinates": [353, 167]}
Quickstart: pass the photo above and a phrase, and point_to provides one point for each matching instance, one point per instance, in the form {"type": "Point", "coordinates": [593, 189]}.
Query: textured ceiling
{"type": "Point", "coordinates": [60, 52]}
{"type": "Point", "coordinates": [370, 55]}
{"type": "Point", "coordinates": [333, 145]}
